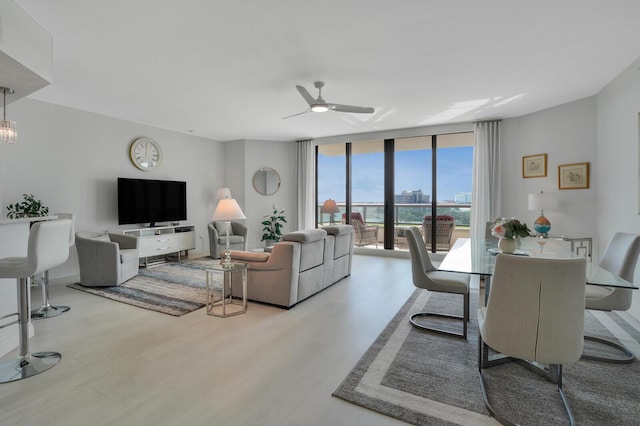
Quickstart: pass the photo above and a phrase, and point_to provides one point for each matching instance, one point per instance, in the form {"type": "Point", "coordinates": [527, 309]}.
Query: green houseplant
{"type": "Point", "coordinates": [29, 207]}
{"type": "Point", "coordinates": [272, 226]}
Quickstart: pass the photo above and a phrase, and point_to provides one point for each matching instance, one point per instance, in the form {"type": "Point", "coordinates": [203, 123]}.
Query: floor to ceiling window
{"type": "Point", "coordinates": [331, 183]}
{"type": "Point", "coordinates": [430, 177]}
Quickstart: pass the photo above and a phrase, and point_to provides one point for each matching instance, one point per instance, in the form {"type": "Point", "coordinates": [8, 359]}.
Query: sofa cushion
{"type": "Point", "coordinates": [311, 254]}
{"type": "Point", "coordinates": [221, 227]}
{"type": "Point", "coordinates": [103, 237]}
{"type": "Point", "coordinates": [338, 229]}
{"type": "Point", "coordinates": [305, 236]}
{"type": "Point", "coordinates": [249, 256]}
{"type": "Point", "coordinates": [128, 255]}
{"type": "Point", "coordinates": [233, 239]}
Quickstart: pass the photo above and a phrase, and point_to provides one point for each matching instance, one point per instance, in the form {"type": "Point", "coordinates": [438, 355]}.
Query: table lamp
{"type": "Point", "coordinates": [228, 210]}
{"type": "Point", "coordinates": [542, 201]}
{"type": "Point", "coordinates": [331, 208]}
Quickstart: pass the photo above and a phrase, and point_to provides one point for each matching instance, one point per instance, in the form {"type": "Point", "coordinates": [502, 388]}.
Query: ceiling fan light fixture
{"type": "Point", "coordinates": [8, 132]}
{"type": "Point", "coordinates": [319, 108]}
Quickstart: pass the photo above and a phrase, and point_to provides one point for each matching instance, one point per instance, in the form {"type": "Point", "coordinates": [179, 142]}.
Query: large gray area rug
{"type": "Point", "coordinates": [174, 288]}
{"type": "Point", "coordinates": [426, 378]}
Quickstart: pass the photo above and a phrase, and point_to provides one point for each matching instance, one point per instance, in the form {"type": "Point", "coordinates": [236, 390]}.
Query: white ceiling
{"type": "Point", "coordinates": [227, 69]}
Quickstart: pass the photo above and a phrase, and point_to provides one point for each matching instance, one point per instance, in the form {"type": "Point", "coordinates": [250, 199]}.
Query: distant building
{"type": "Point", "coordinates": [412, 197]}
{"type": "Point", "coordinates": [463, 198]}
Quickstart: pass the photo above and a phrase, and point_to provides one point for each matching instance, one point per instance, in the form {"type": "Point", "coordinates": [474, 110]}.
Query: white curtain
{"type": "Point", "coordinates": [485, 204]}
{"type": "Point", "coordinates": [306, 174]}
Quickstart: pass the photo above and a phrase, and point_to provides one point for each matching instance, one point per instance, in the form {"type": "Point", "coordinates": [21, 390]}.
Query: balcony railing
{"type": "Point", "coordinates": [404, 215]}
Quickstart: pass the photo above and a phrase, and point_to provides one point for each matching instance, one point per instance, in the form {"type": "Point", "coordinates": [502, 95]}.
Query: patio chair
{"type": "Point", "coordinates": [364, 234]}
{"type": "Point", "coordinates": [444, 231]}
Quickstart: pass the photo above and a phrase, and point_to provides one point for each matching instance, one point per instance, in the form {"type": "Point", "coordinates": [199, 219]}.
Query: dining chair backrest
{"type": "Point", "coordinates": [535, 309]}
{"type": "Point", "coordinates": [621, 255]}
{"type": "Point", "coordinates": [420, 261]}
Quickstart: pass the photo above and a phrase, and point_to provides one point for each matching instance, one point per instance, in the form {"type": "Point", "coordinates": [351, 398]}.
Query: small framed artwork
{"type": "Point", "coordinates": [534, 166]}
{"type": "Point", "coordinates": [573, 176]}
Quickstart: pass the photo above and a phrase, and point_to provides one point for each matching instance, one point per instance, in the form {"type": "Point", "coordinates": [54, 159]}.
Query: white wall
{"type": "Point", "coordinates": [617, 146]}
{"type": "Point", "coordinates": [70, 159]}
{"type": "Point", "coordinates": [247, 157]}
{"type": "Point", "coordinates": [567, 134]}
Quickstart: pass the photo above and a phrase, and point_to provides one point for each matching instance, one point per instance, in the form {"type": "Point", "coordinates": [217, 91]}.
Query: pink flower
{"type": "Point", "coordinates": [498, 231]}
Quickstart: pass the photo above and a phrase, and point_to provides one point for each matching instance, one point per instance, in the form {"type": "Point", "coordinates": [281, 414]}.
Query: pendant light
{"type": "Point", "coordinates": [7, 127]}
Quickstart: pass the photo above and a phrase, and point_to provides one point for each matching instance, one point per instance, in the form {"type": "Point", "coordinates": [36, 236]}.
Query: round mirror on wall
{"type": "Point", "coordinates": [266, 181]}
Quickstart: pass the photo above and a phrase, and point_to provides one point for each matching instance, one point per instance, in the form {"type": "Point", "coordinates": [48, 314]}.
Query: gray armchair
{"type": "Point", "coordinates": [106, 260]}
{"type": "Point", "coordinates": [218, 237]}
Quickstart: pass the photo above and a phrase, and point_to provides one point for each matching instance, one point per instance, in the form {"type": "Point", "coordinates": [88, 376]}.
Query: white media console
{"type": "Point", "coordinates": [158, 242]}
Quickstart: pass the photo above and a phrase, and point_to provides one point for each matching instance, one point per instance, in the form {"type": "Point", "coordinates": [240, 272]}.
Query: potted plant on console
{"type": "Point", "coordinates": [29, 207]}
{"type": "Point", "coordinates": [272, 227]}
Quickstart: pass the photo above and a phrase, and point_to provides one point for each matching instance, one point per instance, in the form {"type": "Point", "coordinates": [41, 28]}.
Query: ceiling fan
{"type": "Point", "coordinates": [320, 105]}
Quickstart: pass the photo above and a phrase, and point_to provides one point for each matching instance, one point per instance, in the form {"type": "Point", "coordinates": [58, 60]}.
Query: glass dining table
{"type": "Point", "coordinates": [478, 257]}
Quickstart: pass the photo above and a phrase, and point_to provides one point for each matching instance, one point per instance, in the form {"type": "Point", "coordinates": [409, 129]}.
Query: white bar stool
{"type": "Point", "coordinates": [48, 247]}
{"type": "Point", "coordinates": [46, 310]}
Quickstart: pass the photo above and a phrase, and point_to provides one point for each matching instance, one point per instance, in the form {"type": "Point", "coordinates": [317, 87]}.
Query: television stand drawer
{"type": "Point", "coordinates": [163, 240]}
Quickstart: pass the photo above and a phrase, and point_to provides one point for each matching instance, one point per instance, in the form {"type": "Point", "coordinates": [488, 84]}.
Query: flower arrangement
{"type": "Point", "coordinates": [509, 228]}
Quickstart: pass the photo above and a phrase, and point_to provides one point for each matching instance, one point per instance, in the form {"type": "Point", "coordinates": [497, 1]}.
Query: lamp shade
{"type": "Point", "coordinates": [223, 193]}
{"type": "Point", "coordinates": [228, 209]}
{"type": "Point", "coordinates": [329, 206]}
{"type": "Point", "coordinates": [543, 201]}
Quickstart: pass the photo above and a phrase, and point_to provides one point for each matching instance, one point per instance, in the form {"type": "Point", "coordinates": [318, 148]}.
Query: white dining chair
{"type": "Point", "coordinates": [620, 258]}
{"type": "Point", "coordinates": [535, 312]}
{"type": "Point", "coordinates": [427, 277]}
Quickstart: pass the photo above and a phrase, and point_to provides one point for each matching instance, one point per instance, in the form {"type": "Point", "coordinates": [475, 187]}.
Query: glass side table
{"type": "Point", "coordinates": [220, 282]}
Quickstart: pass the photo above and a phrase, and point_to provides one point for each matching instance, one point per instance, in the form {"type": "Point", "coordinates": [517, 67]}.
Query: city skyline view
{"type": "Point", "coordinates": [413, 172]}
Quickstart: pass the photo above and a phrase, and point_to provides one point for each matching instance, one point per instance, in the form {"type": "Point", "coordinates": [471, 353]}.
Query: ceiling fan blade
{"type": "Point", "coordinates": [299, 113]}
{"type": "Point", "coordinates": [351, 108]}
{"type": "Point", "coordinates": [307, 97]}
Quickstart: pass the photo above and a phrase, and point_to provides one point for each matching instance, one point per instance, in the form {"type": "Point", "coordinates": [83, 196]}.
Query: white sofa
{"type": "Point", "coordinates": [299, 266]}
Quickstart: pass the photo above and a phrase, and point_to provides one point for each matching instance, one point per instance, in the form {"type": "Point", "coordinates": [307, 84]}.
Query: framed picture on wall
{"type": "Point", "coordinates": [534, 166]}
{"type": "Point", "coordinates": [573, 176]}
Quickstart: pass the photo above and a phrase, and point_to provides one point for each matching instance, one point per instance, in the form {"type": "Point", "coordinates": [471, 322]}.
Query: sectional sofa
{"type": "Point", "coordinates": [300, 265]}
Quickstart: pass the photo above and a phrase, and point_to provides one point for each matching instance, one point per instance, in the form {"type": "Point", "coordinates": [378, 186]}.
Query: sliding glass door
{"type": "Point", "coordinates": [395, 183]}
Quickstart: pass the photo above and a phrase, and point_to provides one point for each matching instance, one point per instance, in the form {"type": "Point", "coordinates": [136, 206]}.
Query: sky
{"type": "Point", "coordinates": [413, 171]}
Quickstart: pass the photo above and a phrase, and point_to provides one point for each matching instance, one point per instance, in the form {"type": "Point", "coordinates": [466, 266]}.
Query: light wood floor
{"type": "Point", "coordinates": [124, 365]}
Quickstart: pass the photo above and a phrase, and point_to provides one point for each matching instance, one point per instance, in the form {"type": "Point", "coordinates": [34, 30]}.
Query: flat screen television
{"type": "Point", "coordinates": [151, 201]}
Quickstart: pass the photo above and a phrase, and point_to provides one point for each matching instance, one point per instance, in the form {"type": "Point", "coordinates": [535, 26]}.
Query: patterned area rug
{"type": "Point", "coordinates": [174, 288]}
{"type": "Point", "coordinates": [425, 378]}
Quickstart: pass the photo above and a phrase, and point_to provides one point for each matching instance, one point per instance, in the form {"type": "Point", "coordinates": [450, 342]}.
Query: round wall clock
{"type": "Point", "coordinates": [145, 154]}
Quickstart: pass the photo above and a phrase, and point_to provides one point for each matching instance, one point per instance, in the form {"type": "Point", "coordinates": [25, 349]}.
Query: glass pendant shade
{"type": "Point", "coordinates": [8, 132]}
